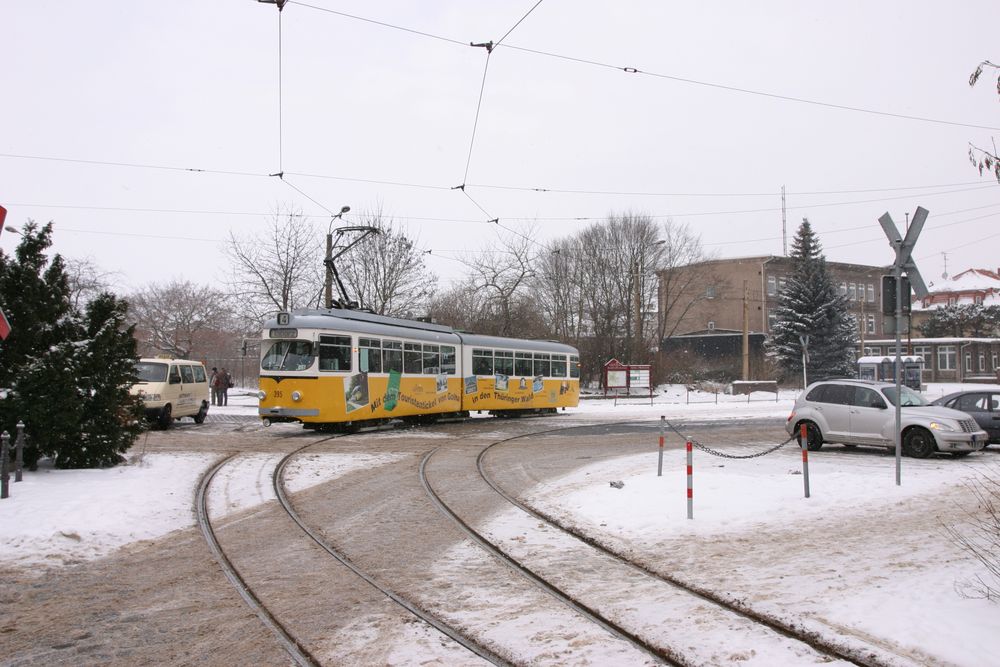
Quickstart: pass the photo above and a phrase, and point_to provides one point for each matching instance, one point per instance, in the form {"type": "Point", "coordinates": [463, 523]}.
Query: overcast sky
{"type": "Point", "coordinates": [375, 114]}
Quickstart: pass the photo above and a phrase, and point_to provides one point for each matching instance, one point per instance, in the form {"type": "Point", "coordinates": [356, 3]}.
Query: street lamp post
{"type": "Point", "coordinates": [639, 269]}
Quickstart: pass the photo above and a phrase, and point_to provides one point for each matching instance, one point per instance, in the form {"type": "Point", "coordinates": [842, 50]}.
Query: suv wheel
{"type": "Point", "coordinates": [814, 437]}
{"type": "Point", "coordinates": [919, 443]}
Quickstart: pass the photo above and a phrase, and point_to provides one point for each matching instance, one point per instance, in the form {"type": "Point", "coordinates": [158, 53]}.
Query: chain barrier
{"type": "Point", "coordinates": [715, 452]}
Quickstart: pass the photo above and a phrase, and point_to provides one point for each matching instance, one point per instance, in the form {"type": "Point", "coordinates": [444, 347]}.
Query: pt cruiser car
{"type": "Point", "coordinates": [860, 412]}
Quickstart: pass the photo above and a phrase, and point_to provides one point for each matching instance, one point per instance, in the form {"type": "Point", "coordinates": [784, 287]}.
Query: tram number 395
{"type": "Point", "coordinates": [277, 393]}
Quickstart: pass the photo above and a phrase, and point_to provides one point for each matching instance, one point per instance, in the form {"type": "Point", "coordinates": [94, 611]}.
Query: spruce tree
{"type": "Point", "coordinates": [64, 374]}
{"type": "Point", "coordinates": [811, 306]}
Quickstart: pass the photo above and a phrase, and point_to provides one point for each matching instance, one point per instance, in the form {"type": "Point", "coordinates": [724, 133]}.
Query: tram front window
{"type": "Point", "coordinates": [288, 355]}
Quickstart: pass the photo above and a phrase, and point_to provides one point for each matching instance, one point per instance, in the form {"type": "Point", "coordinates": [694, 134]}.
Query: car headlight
{"type": "Point", "coordinates": [942, 426]}
{"type": "Point", "coordinates": [151, 397]}
{"type": "Point", "coordinates": [261, 395]}
{"type": "Point", "coordinates": [296, 395]}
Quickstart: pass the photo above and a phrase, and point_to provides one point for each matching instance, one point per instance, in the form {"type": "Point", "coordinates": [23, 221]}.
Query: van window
{"type": "Point", "coordinates": [187, 375]}
{"type": "Point", "coordinates": [199, 373]}
{"type": "Point", "coordinates": [148, 371]}
{"type": "Point", "coordinates": [175, 375]}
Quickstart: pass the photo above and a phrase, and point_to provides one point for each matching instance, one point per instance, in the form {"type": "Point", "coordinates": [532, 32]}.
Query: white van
{"type": "Point", "coordinates": [171, 389]}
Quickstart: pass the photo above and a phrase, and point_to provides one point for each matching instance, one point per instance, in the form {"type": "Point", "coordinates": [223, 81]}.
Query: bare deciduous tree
{"type": "Point", "coordinates": [276, 270]}
{"type": "Point", "coordinates": [179, 317]}
{"type": "Point", "coordinates": [502, 276]}
{"type": "Point", "coordinates": [386, 271]}
{"type": "Point", "coordinates": [86, 280]}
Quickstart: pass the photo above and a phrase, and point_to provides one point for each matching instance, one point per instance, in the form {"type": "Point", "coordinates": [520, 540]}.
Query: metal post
{"type": "Point", "coordinates": [690, 476]}
{"type": "Point", "coordinates": [898, 272]}
{"type": "Point", "coordinates": [19, 456]}
{"type": "Point", "coordinates": [4, 455]}
{"type": "Point", "coordinates": [328, 283]}
{"type": "Point", "coordinates": [804, 441]}
{"type": "Point", "coordinates": [659, 464]}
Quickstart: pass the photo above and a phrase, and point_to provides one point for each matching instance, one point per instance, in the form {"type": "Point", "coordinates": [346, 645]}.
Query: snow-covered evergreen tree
{"type": "Point", "coordinates": [811, 306]}
{"type": "Point", "coordinates": [63, 373]}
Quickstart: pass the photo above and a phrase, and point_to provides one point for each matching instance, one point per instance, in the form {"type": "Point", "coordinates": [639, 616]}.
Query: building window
{"type": "Point", "coordinates": [772, 285]}
{"type": "Point", "coordinates": [852, 292]}
{"type": "Point", "coordinates": [994, 361]}
{"type": "Point", "coordinates": [968, 362]}
{"type": "Point", "coordinates": [925, 352]}
{"type": "Point", "coordinates": [982, 362]}
{"type": "Point", "coordinates": [870, 323]}
{"type": "Point", "coordinates": [843, 289]}
{"type": "Point", "coordinates": [873, 351]}
{"type": "Point", "coordinates": [710, 292]}
{"type": "Point", "coordinates": [951, 301]}
{"type": "Point", "coordinates": [871, 292]}
{"type": "Point", "coordinates": [772, 320]}
{"type": "Point", "coordinates": [978, 299]}
{"type": "Point", "coordinates": [947, 358]}
{"type": "Point", "coordinates": [781, 284]}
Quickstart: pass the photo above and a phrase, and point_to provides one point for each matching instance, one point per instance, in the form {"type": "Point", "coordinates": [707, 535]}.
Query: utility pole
{"type": "Point", "coordinates": [746, 330]}
{"type": "Point", "coordinates": [638, 313]}
{"type": "Point", "coordinates": [784, 226]}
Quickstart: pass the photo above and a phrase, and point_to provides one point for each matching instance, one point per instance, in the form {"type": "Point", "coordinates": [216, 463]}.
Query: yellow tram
{"type": "Point", "coordinates": [338, 368]}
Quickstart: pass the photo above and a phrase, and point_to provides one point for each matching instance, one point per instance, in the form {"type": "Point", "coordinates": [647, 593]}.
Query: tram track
{"type": "Point", "coordinates": [296, 649]}
{"type": "Point", "coordinates": [819, 644]}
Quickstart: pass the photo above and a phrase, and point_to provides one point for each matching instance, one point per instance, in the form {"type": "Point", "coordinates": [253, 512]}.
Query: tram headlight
{"type": "Point", "coordinates": [296, 395]}
{"type": "Point", "coordinates": [261, 395]}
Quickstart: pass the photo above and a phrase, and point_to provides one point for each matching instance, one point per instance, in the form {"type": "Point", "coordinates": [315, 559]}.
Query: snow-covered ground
{"type": "Point", "coordinates": [61, 517]}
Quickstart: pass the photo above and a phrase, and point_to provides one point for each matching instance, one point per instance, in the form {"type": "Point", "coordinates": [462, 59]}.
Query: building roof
{"type": "Point", "coordinates": [963, 288]}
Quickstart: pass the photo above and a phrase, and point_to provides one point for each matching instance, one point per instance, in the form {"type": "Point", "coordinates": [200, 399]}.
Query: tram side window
{"type": "Point", "coordinates": [411, 358]}
{"type": "Point", "coordinates": [392, 356]}
{"type": "Point", "coordinates": [574, 367]}
{"type": "Point", "coordinates": [448, 359]}
{"type": "Point", "coordinates": [335, 353]}
{"type": "Point", "coordinates": [432, 359]}
{"type": "Point", "coordinates": [522, 363]}
{"type": "Point", "coordinates": [503, 362]}
{"type": "Point", "coordinates": [558, 366]}
{"type": "Point", "coordinates": [543, 364]}
{"type": "Point", "coordinates": [370, 355]}
{"type": "Point", "coordinates": [482, 362]}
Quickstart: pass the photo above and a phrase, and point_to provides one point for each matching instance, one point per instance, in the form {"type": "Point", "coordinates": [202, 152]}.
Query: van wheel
{"type": "Point", "coordinates": [814, 437]}
{"type": "Point", "coordinates": [919, 443]}
{"type": "Point", "coordinates": [166, 417]}
{"type": "Point", "coordinates": [202, 413]}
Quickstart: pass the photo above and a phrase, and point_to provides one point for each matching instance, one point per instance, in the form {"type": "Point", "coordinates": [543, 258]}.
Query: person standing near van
{"type": "Point", "coordinates": [215, 383]}
{"type": "Point", "coordinates": [225, 382]}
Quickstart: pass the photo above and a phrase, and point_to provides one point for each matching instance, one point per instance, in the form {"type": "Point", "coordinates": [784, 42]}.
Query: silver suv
{"type": "Point", "coordinates": [860, 412]}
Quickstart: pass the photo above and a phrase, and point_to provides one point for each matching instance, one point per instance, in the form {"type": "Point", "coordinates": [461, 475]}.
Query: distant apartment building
{"type": "Point", "coordinates": [704, 306]}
